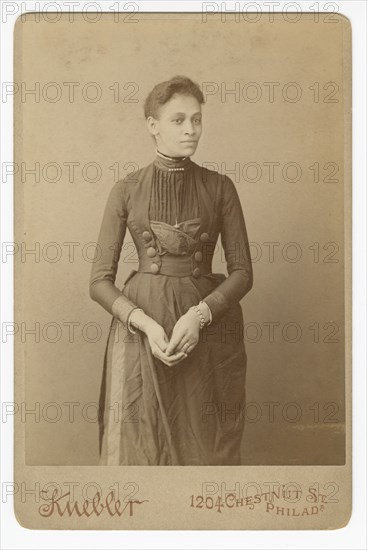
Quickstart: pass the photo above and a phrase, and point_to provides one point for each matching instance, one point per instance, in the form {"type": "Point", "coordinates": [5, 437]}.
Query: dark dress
{"type": "Point", "coordinates": [191, 413]}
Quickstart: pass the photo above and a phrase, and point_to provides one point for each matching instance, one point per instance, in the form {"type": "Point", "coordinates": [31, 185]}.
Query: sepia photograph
{"type": "Point", "coordinates": [183, 268]}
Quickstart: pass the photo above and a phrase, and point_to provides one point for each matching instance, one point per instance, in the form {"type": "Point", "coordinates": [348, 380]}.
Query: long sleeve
{"type": "Point", "coordinates": [102, 287]}
{"type": "Point", "coordinates": [237, 254]}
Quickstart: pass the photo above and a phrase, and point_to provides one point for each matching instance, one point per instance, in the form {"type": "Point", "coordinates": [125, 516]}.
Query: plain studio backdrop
{"type": "Point", "coordinates": [273, 122]}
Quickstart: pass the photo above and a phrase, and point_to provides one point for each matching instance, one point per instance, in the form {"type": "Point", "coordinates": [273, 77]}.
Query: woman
{"type": "Point", "coordinates": [173, 386]}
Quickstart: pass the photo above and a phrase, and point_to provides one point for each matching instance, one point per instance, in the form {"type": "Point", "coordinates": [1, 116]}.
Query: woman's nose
{"type": "Point", "coordinates": [189, 128]}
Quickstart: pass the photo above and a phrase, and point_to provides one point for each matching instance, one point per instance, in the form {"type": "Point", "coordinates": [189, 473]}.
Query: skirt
{"type": "Point", "coordinates": [189, 414]}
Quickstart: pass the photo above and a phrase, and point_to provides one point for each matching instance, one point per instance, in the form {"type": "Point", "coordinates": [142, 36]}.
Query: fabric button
{"type": "Point", "coordinates": [154, 268]}
{"type": "Point", "coordinates": [146, 235]}
{"type": "Point", "coordinates": [196, 272]}
{"type": "Point", "coordinates": [204, 237]}
{"type": "Point", "coordinates": [151, 251]}
{"type": "Point", "coordinates": [198, 256]}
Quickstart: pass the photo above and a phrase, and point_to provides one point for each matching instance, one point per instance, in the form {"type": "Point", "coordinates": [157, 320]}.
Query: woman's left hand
{"type": "Point", "coordinates": [185, 334]}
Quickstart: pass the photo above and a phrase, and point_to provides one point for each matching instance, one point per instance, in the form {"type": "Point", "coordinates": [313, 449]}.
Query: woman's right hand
{"type": "Point", "coordinates": [159, 342]}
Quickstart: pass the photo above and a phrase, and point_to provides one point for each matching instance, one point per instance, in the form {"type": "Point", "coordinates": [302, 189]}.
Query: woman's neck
{"type": "Point", "coordinates": [168, 156]}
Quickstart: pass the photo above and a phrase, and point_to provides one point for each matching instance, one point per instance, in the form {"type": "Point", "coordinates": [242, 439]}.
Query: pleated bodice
{"type": "Point", "coordinates": [174, 195]}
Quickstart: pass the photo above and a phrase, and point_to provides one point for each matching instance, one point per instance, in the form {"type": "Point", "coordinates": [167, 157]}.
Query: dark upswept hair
{"type": "Point", "coordinates": [163, 92]}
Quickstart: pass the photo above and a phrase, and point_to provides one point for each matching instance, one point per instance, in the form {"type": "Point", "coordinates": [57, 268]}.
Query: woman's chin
{"type": "Point", "coordinates": [189, 148]}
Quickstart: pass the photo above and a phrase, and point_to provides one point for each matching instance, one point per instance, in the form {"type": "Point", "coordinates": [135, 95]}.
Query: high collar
{"type": "Point", "coordinates": [171, 164]}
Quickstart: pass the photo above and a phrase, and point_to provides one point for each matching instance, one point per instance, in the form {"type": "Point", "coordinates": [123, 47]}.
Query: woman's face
{"type": "Point", "coordinates": [179, 126]}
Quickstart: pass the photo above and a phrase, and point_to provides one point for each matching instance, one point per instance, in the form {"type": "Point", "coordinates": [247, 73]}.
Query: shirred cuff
{"type": "Point", "coordinates": [122, 308]}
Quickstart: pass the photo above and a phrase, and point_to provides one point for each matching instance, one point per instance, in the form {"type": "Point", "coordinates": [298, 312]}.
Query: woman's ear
{"type": "Point", "coordinates": [152, 125]}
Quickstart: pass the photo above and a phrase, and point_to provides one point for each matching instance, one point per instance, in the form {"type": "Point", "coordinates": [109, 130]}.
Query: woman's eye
{"type": "Point", "coordinates": [198, 120]}
{"type": "Point", "coordinates": [177, 120]}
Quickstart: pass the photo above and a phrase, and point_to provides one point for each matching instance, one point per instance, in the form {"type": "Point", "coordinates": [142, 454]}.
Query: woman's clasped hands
{"type": "Point", "coordinates": [184, 338]}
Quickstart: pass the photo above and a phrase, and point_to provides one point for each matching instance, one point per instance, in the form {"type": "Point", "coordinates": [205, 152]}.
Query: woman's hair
{"type": "Point", "coordinates": [163, 92]}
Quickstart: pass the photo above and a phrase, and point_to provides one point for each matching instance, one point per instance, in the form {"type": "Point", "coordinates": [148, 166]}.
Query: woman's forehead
{"type": "Point", "coordinates": [180, 103]}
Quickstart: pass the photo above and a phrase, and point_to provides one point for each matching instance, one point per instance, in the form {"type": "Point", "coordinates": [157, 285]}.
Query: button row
{"type": "Point", "coordinates": [151, 252]}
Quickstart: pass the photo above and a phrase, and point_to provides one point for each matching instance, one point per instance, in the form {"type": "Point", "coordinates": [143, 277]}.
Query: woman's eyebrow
{"type": "Point", "coordinates": [183, 114]}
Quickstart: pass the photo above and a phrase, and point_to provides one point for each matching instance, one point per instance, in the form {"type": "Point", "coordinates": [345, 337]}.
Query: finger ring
{"type": "Point", "coordinates": [187, 345]}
